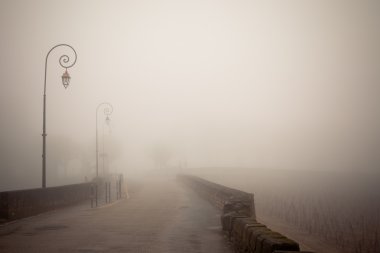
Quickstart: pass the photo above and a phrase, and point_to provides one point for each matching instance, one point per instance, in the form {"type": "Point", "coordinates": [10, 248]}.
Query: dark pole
{"type": "Point", "coordinates": [64, 61]}
{"type": "Point", "coordinates": [103, 154]}
{"type": "Point", "coordinates": [108, 109]}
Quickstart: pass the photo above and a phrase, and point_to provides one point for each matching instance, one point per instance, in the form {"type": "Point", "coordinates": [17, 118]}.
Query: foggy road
{"type": "Point", "coordinates": [163, 216]}
{"type": "Point", "coordinates": [280, 99]}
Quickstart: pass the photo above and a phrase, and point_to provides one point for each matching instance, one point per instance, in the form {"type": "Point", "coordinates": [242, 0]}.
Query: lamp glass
{"type": "Point", "coordinates": [66, 79]}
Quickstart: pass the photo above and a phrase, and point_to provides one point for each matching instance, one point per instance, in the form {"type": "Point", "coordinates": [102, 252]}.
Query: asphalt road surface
{"type": "Point", "coordinates": [163, 216]}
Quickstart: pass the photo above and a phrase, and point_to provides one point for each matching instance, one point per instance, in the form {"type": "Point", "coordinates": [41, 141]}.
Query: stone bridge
{"type": "Point", "coordinates": [162, 214]}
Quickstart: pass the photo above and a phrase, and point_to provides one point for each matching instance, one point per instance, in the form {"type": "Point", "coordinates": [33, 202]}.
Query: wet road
{"type": "Point", "coordinates": [164, 216]}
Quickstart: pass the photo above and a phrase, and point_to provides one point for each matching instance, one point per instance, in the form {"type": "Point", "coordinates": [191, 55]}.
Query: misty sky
{"type": "Point", "coordinates": [260, 84]}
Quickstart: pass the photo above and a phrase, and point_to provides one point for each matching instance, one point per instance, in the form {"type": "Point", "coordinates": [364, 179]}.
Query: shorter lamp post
{"type": "Point", "coordinates": [104, 155]}
{"type": "Point", "coordinates": [108, 109]}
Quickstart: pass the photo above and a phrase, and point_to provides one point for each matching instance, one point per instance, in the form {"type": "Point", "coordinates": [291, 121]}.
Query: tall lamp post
{"type": "Point", "coordinates": [108, 109]}
{"type": "Point", "coordinates": [65, 62]}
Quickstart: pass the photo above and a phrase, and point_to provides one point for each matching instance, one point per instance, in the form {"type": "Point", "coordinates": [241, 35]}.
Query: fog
{"type": "Point", "coordinates": [262, 85]}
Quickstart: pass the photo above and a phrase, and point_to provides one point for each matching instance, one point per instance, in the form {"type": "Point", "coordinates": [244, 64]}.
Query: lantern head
{"type": "Point", "coordinates": [108, 120]}
{"type": "Point", "coordinates": [66, 79]}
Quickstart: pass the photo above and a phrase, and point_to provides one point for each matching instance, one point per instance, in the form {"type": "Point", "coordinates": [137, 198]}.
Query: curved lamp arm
{"type": "Point", "coordinates": [64, 61]}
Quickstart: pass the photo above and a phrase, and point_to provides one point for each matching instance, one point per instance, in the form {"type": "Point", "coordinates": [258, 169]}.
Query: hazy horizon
{"type": "Point", "coordinates": [289, 85]}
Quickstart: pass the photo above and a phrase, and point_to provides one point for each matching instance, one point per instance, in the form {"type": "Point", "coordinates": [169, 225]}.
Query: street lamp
{"type": "Point", "coordinates": [108, 109]}
{"type": "Point", "coordinates": [64, 61]}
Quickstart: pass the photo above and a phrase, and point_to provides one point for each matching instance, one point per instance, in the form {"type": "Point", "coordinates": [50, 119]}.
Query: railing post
{"type": "Point", "coordinates": [92, 195]}
{"type": "Point", "coordinates": [106, 191]}
{"type": "Point", "coordinates": [109, 192]}
{"type": "Point", "coordinates": [117, 189]}
{"type": "Point", "coordinates": [120, 188]}
{"type": "Point", "coordinates": [96, 195]}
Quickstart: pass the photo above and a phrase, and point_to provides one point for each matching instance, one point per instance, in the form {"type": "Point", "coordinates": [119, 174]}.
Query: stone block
{"type": "Point", "coordinates": [228, 219]}
{"type": "Point", "coordinates": [239, 232]}
{"type": "Point", "coordinates": [282, 251]}
{"type": "Point", "coordinates": [247, 234]}
{"type": "Point", "coordinates": [269, 242]}
{"type": "Point", "coordinates": [254, 233]}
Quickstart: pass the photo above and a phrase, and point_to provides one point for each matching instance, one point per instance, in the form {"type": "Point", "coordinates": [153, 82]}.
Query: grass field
{"type": "Point", "coordinates": [342, 208]}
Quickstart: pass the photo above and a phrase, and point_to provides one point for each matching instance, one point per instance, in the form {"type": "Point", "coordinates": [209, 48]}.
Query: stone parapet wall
{"type": "Point", "coordinates": [23, 203]}
{"type": "Point", "coordinates": [222, 197]}
{"type": "Point", "coordinates": [238, 218]}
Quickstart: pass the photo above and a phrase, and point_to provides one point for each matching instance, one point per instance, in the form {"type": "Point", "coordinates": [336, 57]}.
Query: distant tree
{"type": "Point", "coordinates": [161, 156]}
